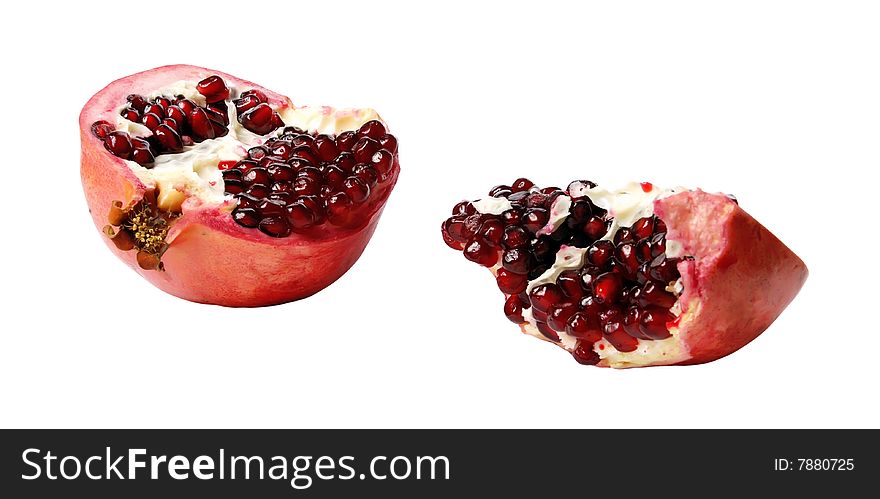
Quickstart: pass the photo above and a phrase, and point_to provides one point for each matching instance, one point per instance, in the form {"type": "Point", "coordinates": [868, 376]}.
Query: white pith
{"type": "Point", "coordinates": [626, 205]}
{"type": "Point", "coordinates": [193, 173]}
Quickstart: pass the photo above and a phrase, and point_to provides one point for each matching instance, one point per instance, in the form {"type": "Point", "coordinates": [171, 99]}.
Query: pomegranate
{"type": "Point", "coordinates": [220, 191]}
{"type": "Point", "coordinates": [639, 276]}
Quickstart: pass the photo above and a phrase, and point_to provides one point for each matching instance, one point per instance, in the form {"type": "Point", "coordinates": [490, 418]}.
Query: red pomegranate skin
{"type": "Point", "coordinates": [211, 259]}
{"type": "Point", "coordinates": [741, 279]}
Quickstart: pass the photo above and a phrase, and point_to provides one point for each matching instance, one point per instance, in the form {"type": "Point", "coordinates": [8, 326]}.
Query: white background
{"type": "Point", "coordinates": [776, 102]}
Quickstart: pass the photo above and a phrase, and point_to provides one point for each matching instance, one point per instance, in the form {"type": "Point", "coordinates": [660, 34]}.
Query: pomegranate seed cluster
{"type": "Point", "coordinates": [298, 180]}
{"type": "Point", "coordinates": [621, 292]}
{"type": "Point", "coordinates": [293, 182]}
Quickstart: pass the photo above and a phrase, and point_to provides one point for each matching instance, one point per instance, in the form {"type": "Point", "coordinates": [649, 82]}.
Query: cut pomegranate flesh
{"type": "Point", "coordinates": [229, 167]}
{"type": "Point", "coordinates": [623, 278]}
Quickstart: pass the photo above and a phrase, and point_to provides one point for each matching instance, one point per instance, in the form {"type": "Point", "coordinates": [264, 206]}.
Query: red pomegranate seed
{"type": "Point", "coordinates": [305, 186]}
{"type": "Point", "coordinates": [345, 160]}
{"type": "Point", "coordinates": [464, 208]}
{"type": "Point", "coordinates": [513, 309]}
{"type": "Point", "coordinates": [607, 287]}
{"type": "Point", "coordinates": [345, 141]}
{"type": "Point", "coordinates": [367, 174]}
{"type": "Point", "coordinates": [226, 165]}
{"type": "Point", "coordinates": [492, 231]}
{"type": "Point", "coordinates": [658, 244]}
{"type": "Point", "coordinates": [516, 260]}
{"type": "Point", "coordinates": [659, 226]}
{"type": "Point", "coordinates": [280, 172]}
{"type": "Point", "coordinates": [559, 315]}
{"type": "Point", "coordinates": [472, 224]}
{"type": "Point", "coordinates": [338, 208]}
{"type": "Point", "coordinates": [600, 252]}
{"type": "Point", "coordinates": [569, 281]}
{"type": "Point", "coordinates": [584, 326]}
{"type": "Point", "coordinates": [452, 243]}
{"type": "Point", "coordinates": [301, 216]}
{"type": "Point", "coordinates": [587, 275]}
{"type": "Point", "coordinates": [258, 191]}
{"type": "Point", "coordinates": [245, 103]}
{"type": "Point", "coordinates": [168, 138]}
{"type": "Point", "coordinates": [382, 161]}
{"type": "Point", "coordinates": [151, 121]}
{"type": "Point", "coordinates": [277, 122]}
{"type": "Point", "coordinates": [521, 184]}
{"type": "Point", "coordinates": [218, 113]}
{"type": "Point", "coordinates": [246, 217]}
{"type": "Point", "coordinates": [186, 106]}
{"type": "Point", "coordinates": [119, 143]}
{"type": "Point", "coordinates": [545, 296]}
{"type": "Point", "coordinates": [317, 206]}
{"type": "Point", "coordinates": [454, 226]}
{"type": "Point", "coordinates": [595, 228]}
{"type": "Point", "coordinates": [281, 194]}
{"type": "Point", "coordinates": [156, 109]}
{"type": "Point", "coordinates": [269, 207]}
{"type": "Point", "coordinates": [356, 189]}
{"type": "Point", "coordinates": [304, 153]}
{"type": "Point", "coordinates": [137, 102]}
{"type": "Point", "coordinates": [200, 124]}
{"type": "Point", "coordinates": [511, 217]}
{"type": "Point", "coordinates": [653, 322]}
{"type": "Point", "coordinates": [653, 294]}
{"type": "Point", "coordinates": [481, 252]}
{"type": "Point", "coordinates": [260, 96]}
{"type": "Point", "coordinates": [142, 156]}
{"type": "Point", "coordinates": [275, 226]}
{"type": "Point", "coordinates": [175, 113]}
{"type": "Point", "coordinates": [643, 250]}
{"type": "Point", "coordinates": [171, 123]}
{"type": "Point", "coordinates": [584, 354]}
{"type": "Point", "coordinates": [626, 255]}
{"type": "Point", "coordinates": [233, 186]}
{"type": "Point", "coordinates": [515, 237]}
{"type": "Point", "coordinates": [624, 235]}
{"type": "Point", "coordinates": [619, 338]}
{"type": "Point", "coordinates": [373, 129]}
{"type": "Point", "coordinates": [389, 143]}
{"type": "Point", "coordinates": [311, 173]}
{"type": "Point", "coordinates": [325, 148]}
{"type": "Point", "coordinates": [101, 129]}
{"type": "Point", "coordinates": [257, 175]}
{"type": "Point", "coordinates": [511, 283]}
{"type": "Point", "coordinates": [258, 119]}
{"type": "Point", "coordinates": [631, 323]}
{"type": "Point", "coordinates": [364, 150]}
{"type": "Point", "coordinates": [534, 219]}
{"type": "Point", "coordinates": [131, 115]}
{"type": "Point", "coordinates": [302, 140]}
{"type": "Point", "coordinates": [643, 227]}
{"type": "Point", "coordinates": [213, 88]}
{"type": "Point", "coordinates": [333, 177]}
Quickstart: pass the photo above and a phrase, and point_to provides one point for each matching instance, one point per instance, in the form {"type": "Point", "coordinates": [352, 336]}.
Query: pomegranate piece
{"type": "Point", "coordinates": [628, 278]}
{"type": "Point", "coordinates": [273, 213]}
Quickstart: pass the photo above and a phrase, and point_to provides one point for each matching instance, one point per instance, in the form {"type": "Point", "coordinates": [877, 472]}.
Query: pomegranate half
{"type": "Point", "coordinates": [220, 191]}
{"type": "Point", "coordinates": [634, 277]}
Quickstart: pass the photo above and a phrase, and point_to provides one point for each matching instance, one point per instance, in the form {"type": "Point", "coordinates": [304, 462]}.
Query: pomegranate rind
{"type": "Point", "coordinates": [741, 279]}
{"type": "Point", "coordinates": [211, 259]}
